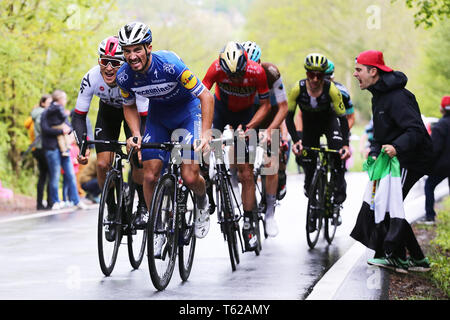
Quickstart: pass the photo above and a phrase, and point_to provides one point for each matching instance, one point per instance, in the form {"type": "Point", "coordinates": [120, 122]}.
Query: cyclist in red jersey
{"type": "Point", "coordinates": [238, 80]}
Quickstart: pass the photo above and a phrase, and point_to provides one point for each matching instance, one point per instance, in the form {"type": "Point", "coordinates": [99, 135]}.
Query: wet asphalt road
{"type": "Point", "coordinates": [55, 257]}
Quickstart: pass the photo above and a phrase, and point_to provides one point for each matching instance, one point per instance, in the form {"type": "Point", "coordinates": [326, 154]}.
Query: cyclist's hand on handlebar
{"type": "Point", "coordinates": [83, 160]}
{"type": "Point", "coordinates": [345, 153]}
{"type": "Point", "coordinates": [135, 143]}
{"type": "Point", "coordinates": [202, 144]}
{"type": "Point", "coordinates": [264, 136]}
{"type": "Point", "coordinates": [297, 148]}
{"type": "Point", "coordinates": [241, 131]}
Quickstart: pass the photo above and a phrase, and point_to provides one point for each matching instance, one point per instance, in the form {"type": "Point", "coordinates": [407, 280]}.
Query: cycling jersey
{"type": "Point", "coordinates": [93, 84]}
{"type": "Point", "coordinates": [274, 82]}
{"type": "Point", "coordinates": [173, 91]}
{"type": "Point", "coordinates": [167, 83]}
{"type": "Point", "coordinates": [277, 93]}
{"type": "Point", "coordinates": [330, 98]}
{"type": "Point", "coordinates": [345, 98]}
{"type": "Point", "coordinates": [237, 96]}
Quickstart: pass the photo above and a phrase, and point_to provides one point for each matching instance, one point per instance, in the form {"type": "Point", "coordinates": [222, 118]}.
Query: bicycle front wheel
{"type": "Point", "coordinates": [315, 209]}
{"type": "Point", "coordinates": [230, 227]}
{"type": "Point", "coordinates": [162, 233]}
{"type": "Point", "coordinates": [136, 238]}
{"type": "Point", "coordinates": [330, 222]}
{"type": "Point", "coordinates": [109, 230]}
{"type": "Point", "coordinates": [187, 237]}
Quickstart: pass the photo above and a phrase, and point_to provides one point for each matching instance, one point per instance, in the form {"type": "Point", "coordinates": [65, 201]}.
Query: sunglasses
{"type": "Point", "coordinates": [312, 75]}
{"type": "Point", "coordinates": [114, 63]}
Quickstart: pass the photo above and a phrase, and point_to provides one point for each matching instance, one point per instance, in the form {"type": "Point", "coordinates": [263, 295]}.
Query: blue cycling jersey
{"type": "Point", "coordinates": [172, 90]}
{"type": "Point", "coordinates": [167, 82]}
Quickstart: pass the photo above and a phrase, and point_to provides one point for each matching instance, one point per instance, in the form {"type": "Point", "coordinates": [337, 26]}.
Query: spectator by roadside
{"type": "Point", "coordinates": [89, 182]}
{"type": "Point", "coordinates": [55, 158]}
{"type": "Point", "coordinates": [440, 135]}
{"type": "Point", "coordinates": [39, 154]}
{"type": "Point", "coordinates": [398, 131]}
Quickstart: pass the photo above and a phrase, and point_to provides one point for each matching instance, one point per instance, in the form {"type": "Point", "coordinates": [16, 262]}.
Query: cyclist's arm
{"type": "Point", "coordinates": [82, 106]}
{"type": "Point", "coordinates": [280, 96]}
{"type": "Point", "coordinates": [131, 115]}
{"type": "Point", "coordinates": [280, 116]}
{"type": "Point", "coordinates": [292, 104]}
{"type": "Point", "coordinates": [351, 120]}
{"type": "Point", "coordinates": [264, 98]}
{"type": "Point", "coordinates": [339, 109]}
{"type": "Point", "coordinates": [260, 114]}
{"type": "Point", "coordinates": [207, 105]}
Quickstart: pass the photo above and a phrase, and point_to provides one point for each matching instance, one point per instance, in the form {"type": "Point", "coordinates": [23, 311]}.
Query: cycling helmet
{"type": "Point", "coordinates": [316, 62]}
{"type": "Point", "coordinates": [135, 33]}
{"type": "Point", "coordinates": [330, 69]}
{"type": "Point", "coordinates": [233, 59]}
{"type": "Point", "coordinates": [253, 50]}
{"type": "Point", "coordinates": [110, 47]}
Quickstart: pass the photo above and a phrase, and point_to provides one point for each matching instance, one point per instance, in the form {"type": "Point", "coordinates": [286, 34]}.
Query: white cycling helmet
{"type": "Point", "coordinates": [110, 47]}
{"type": "Point", "coordinates": [253, 50]}
{"type": "Point", "coordinates": [134, 33]}
{"type": "Point", "coordinates": [233, 59]}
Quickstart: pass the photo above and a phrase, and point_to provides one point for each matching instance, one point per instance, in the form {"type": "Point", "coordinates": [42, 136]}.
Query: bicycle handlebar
{"type": "Point", "coordinates": [321, 149]}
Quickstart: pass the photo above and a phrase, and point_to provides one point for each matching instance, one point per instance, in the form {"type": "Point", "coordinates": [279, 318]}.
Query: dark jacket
{"type": "Point", "coordinates": [397, 121]}
{"type": "Point", "coordinates": [53, 115]}
{"type": "Point", "coordinates": [440, 135]}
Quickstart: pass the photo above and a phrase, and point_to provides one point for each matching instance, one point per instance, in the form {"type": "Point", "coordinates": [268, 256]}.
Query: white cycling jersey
{"type": "Point", "coordinates": [93, 84]}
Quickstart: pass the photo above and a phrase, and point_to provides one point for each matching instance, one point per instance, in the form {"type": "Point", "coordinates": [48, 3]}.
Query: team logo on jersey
{"type": "Point", "coordinates": [169, 68]}
{"type": "Point", "coordinates": [102, 88]}
{"type": "Point", "coordinates": [124, 93]}
{"type": "Point", "coordinates": [188, 80]}
{"type": "Point", "coordinates": [155, 90]}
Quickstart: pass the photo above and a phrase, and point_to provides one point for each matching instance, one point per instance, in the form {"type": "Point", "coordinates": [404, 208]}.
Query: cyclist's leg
{"type": "Point", "coordinates": [153, 159]}
{"type": "Point", "coordinates": [107, 127]}
{"type": "Point", "coordinates": [271, 195]}
{"type": "Point", "coordinates": [312, 130]}
{"type": "Point", "coordinates": [138, 178]}
{"type": "Point", "coordinates": [335, 141]}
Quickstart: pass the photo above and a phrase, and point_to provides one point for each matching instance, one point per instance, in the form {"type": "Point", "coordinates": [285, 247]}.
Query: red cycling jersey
{"type": "Point", "coordinates": [238, 96]}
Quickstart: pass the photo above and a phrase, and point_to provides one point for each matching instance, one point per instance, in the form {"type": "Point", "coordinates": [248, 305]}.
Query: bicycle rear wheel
{"type": "Point", "coordinates": [187, 239]}
{"type": "Point", "coordinates": [315, 209]}
{"type": "Point", "coordinates": [162, 241]}
{"type": "Point", "coordinates": [109, 230]}
{"type": "Point", "coordinates": [136, 238]}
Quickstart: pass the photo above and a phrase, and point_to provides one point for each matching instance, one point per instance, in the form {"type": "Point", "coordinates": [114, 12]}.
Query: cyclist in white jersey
{"type": "Point", "coordinates": [101, 82]}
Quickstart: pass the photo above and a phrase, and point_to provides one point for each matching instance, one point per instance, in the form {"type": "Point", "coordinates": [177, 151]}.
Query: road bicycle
{"type": "Point", "coordinates": [322, 208]}
{"type": "Point", "coordinates": [170, 228]}
{"type": "Point", "coordinates": [117, 212]}
{"type": "Point", "coordinates": [229, 211]}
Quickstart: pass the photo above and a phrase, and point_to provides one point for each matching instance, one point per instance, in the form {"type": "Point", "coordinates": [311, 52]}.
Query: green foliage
{"type": "Point", "coordinates": [429, 11]}
{"type": "Point", "coordinates": [440, 259]}
{"type": "Point", "coordinates": [434, 70]}
{"type": "Point", "coordinates": [288, 30]}
{"type": "Point", "coordinates": [46, 45]}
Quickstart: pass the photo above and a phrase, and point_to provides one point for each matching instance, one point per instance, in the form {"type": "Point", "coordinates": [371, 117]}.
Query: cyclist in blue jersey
{"type": "Point", "coordinates": [178, 100]}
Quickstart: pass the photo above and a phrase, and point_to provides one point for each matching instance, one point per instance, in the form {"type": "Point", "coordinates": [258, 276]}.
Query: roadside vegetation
{"type": "Point", "coordinates": [435, 241]}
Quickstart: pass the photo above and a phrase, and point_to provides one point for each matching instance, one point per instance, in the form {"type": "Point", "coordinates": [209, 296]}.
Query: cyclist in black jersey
{"type": "Point", "coordinates": [275, 188]}
{"type": "Point", "coordinates": [322, 112]}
